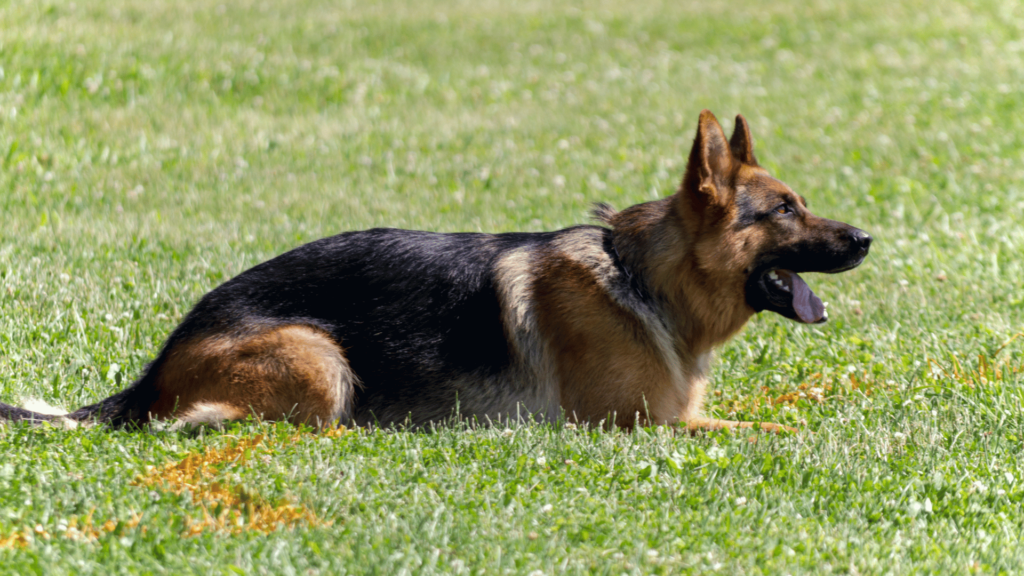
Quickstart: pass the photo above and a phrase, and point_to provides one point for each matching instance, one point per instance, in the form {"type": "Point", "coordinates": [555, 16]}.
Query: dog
{"type": "Point", "coordinates": [612, 323]}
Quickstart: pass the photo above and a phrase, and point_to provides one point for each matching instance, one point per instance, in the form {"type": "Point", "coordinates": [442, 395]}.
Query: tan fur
{"type": "Point", "coordinates": [605, 361]}
{"type": "Point", "coordinates": [703, 292]}
{"type": "Point", "coordinates": [693, 257]}
{"type": "Point", "coordinates": [612, 358]}
{"type": "Point", "coordinates": [293, 372]}
{"type": "Point", "coordinates": [515, 275]}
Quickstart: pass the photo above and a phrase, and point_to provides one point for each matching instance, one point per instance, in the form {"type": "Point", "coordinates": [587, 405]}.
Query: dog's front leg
{"type": "Point", "coordinates": [702, 424]}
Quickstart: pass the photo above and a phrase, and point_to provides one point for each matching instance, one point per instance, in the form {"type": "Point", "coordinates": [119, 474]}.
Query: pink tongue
{"type": "Point", "coordinates": [806, 304]}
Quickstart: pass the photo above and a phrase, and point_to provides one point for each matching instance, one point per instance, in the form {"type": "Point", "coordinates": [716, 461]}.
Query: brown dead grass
{"type": "Point", "coordinates": [227, 508]}
{"type": "Point", "coordinates": [221, 506]}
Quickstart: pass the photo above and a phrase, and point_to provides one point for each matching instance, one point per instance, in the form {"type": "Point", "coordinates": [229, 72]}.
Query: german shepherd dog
{"type": "Point", "coordinates": [612, 323]}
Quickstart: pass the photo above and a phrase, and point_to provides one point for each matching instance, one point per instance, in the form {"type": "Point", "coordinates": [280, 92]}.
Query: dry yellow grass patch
{"type": "Point", "coordinates": [223, 507]}
{"type": "Point", "coordinates": [226, 508]}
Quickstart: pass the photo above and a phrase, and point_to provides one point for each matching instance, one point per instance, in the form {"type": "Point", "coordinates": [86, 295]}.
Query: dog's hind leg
{"type": "Point", "coordinates": [211, 414]}
{"type": "Point", "coordinates": [296, 372]}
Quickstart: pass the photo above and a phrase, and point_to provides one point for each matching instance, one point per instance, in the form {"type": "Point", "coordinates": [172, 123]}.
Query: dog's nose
{"type": "Point", "coordinates": [861, 240]}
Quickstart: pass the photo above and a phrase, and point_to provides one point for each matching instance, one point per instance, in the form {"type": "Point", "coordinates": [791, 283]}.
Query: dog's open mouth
{"type": "Point", "coordinates": [788, 292]}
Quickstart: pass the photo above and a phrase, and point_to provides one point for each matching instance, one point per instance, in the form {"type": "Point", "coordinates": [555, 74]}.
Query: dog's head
{"type": "Point", "coordinates": [750, 231]}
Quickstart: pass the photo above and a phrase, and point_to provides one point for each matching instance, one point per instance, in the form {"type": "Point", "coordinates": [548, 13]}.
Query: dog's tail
{"type": "Point", "coordinates": [13, 413]}
{"type": "Point", "coordinates": [127, 407]}
{"type": "Point", "coordinates": [36, 412]}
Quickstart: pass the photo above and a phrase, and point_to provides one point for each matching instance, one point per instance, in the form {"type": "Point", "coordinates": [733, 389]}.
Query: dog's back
{"type": "Point", "coordinates": [418, 327]}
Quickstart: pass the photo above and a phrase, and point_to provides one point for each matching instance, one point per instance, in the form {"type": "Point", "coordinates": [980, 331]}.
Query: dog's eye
{"type": "Point", "coordinates": [782, 209]}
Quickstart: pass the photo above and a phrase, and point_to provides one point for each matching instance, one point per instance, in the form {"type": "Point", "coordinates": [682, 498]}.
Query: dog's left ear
{"type": "Point", "coordinates": [710, 161]}
{"type": "Point", "coordinates": [742, 144]}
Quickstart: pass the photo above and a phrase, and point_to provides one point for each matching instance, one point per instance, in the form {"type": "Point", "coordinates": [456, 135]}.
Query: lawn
{"type": "Point", "coordinates": [150, 150]}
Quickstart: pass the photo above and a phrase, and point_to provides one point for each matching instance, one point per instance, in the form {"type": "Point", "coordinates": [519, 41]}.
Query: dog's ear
{"type": "Point", "coordinates": [710, 161]}
{"type": "Point", "coordinates": [741, 143]}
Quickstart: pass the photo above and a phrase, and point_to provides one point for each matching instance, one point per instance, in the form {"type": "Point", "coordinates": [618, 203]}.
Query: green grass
{"type": "Point", "coordinates": [151, 150]}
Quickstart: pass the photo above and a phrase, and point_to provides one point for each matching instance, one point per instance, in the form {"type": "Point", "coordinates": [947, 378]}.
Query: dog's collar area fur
{"type": "Point", "coordinates": [634, 280]}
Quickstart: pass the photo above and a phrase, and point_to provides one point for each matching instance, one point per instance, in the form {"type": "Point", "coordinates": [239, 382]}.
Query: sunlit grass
{"type": "Point", "coordinates": [151, 150]}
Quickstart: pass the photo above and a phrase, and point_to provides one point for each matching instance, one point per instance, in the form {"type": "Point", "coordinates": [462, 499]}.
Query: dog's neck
{"type": "Point", "coordinates": [657, 252]}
